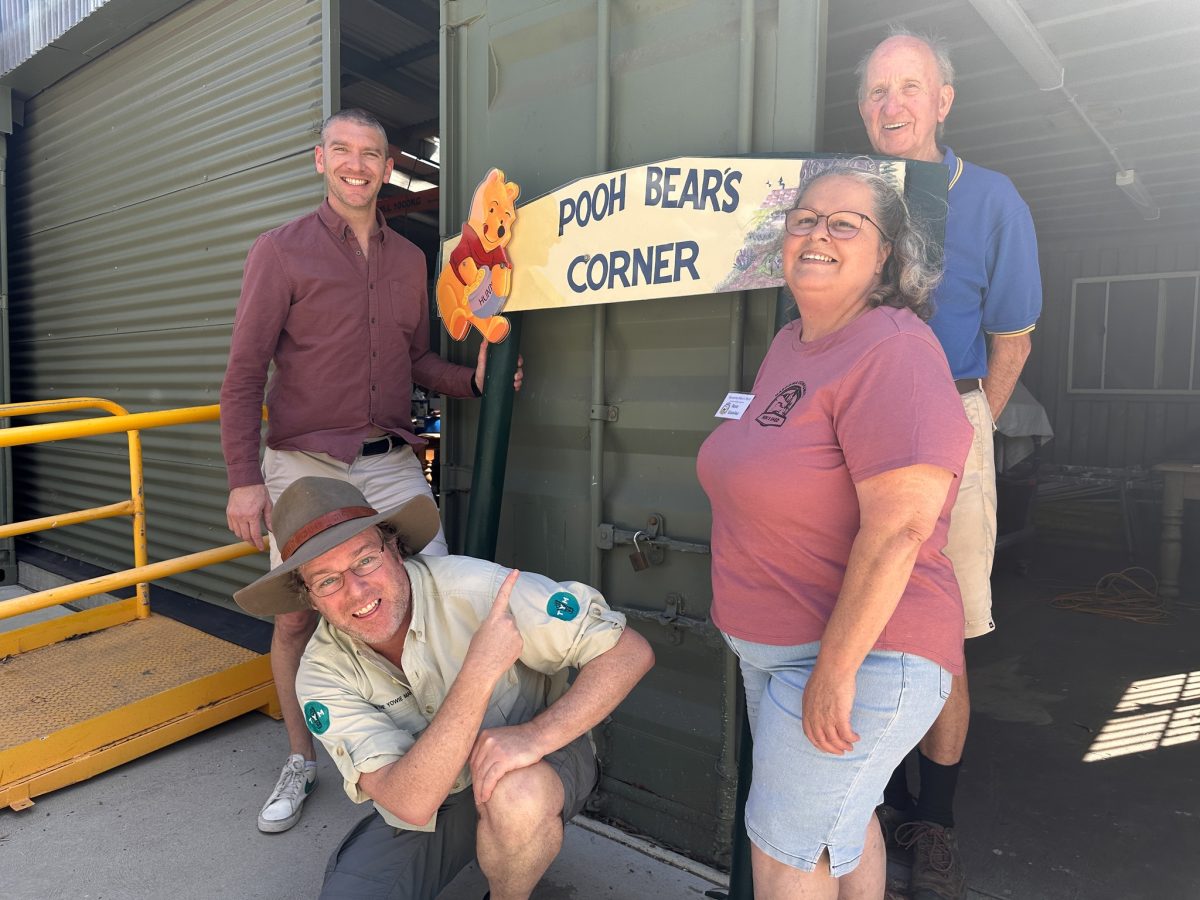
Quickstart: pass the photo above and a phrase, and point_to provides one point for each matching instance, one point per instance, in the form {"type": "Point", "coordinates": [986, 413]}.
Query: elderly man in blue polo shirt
{"type": "Point", "coordinates": [984, 311]}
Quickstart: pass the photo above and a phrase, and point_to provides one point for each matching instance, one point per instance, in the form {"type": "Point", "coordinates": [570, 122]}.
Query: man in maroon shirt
{"type": "Point", "coordinates": [337, 300]}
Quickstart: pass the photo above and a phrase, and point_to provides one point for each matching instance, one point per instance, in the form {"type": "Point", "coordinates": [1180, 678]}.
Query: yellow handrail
{"type": "Point", "coordinates": [122, 421]}
{"type": "Point", "coordinates": [104, 583]}
{"type": "Point", "coordinates": [119, 420]}
{"type": "Point", "coordinates": [29, 526]}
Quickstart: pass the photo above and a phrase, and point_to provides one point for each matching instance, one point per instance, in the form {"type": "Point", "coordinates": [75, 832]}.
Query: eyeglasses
{"type": "Point", "coordinates": [842, 225]}
{"type": "Point", "coordinates": [332, 583]}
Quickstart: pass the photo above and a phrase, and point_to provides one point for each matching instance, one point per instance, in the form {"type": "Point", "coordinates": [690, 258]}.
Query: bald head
{"type": "Point", "coordinates": [905, 93]}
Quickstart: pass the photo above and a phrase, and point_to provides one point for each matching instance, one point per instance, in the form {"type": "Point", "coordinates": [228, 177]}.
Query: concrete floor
{"type": "Point", "coordinates": [1081, 782]}
{"type": "Point", "coordinates": [1081, 779]}
{"type": "Point", "coordinates": [180, 824]}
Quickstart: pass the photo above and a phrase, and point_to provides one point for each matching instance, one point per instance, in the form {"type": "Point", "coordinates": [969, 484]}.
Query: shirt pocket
{"type": "Point", "coordinates": [405, 713]}
{"type": "Point", "coordinates": [405, 300]}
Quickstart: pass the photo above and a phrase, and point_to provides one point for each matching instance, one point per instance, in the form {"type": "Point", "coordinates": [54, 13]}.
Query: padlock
{"type": "Point", "coordinates": [638, 558]}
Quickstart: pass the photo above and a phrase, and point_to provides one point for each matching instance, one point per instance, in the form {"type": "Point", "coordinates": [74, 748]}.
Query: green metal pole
{"type": "Point", "coordinates": [741, 882]}
{"type": "Point", "coordinates": [491, 445]}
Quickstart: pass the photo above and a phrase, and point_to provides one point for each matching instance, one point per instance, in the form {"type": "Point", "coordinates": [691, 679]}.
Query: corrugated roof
{"type": "Point", "coordinates": [27, 26]}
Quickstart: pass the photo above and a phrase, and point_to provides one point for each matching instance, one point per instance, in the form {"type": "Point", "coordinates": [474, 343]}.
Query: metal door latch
{"type": "Point", "coordinates": [650, 541]}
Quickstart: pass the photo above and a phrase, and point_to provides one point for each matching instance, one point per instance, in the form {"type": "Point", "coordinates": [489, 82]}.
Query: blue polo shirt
{"type": "Point", "coordinates": [992, 283]}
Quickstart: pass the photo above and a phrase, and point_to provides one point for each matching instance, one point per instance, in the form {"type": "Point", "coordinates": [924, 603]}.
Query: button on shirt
{"type": "Point", "coordinates": [349, 334]}
{"type": "Point", "coordinates": [368, 713]}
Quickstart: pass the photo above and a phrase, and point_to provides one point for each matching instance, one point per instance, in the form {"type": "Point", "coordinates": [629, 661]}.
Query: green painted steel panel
{"type": "Point", "coordinates": [137, 185]}
{"type": "Point", "coordinates": [520, 93]}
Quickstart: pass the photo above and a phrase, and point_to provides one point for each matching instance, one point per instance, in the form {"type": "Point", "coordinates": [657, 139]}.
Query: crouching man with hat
{"type": "Point", "coordinates": [435, 685]}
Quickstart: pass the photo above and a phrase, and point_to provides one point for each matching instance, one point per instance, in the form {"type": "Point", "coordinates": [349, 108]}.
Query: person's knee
{"type": "Point", "coordinates": [524, 802]}
{"type": "Point", "coordinates": [294, 627]}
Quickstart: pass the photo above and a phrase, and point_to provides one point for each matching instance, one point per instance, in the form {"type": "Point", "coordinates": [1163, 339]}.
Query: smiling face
{"type": "Point", "coordinates": [374, 608]}
{"type": "Point", "coordinates": [354, 160]}
{"type": "Point", "coordinates": [492, 211]}
{"type": "Point", "coordinates": [903, 100]}
{"type": "Point", "coordinates": [828, 276]}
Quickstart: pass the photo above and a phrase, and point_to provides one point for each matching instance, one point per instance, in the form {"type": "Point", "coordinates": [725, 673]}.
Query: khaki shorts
{"type": "Point", "coordinates": [971, 543]}
{"type": "Point", "coordinates": [386, 480]}
{"type": "Point", "coordinates": [378, 862]}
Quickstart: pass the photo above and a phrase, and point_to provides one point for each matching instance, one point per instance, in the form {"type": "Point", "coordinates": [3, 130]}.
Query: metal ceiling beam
{"type": "Point", "coordinates": [427, 18]}
{"type": "Point", "coordinates": [359, 64]}
{"type": "Point", "coordinates": [417, 131]}
{"type": "Point", "coordinates": [379, 69]}
{"type": "Point", "coordinates": [1008, 22]}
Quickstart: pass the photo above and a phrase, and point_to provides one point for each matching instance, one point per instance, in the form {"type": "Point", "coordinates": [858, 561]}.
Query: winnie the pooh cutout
{"type": "Point", "coordinates": [474, 284]}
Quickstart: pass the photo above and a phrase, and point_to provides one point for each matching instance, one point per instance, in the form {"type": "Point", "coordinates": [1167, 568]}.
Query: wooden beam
{"type": "Point", "coordinates": [406, 202]}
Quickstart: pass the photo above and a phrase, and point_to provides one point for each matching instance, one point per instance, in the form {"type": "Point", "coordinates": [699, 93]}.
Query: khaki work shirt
{"type": "Point", "coordinates": [368, 714]}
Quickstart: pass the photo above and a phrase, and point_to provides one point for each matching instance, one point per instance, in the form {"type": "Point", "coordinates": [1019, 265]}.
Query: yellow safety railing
{"type": "Point", "coordinates": [142, 572]}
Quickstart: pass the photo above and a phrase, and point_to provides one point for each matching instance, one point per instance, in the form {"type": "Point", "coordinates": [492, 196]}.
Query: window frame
{"type": "Point", "coordinates": [1160, 333]}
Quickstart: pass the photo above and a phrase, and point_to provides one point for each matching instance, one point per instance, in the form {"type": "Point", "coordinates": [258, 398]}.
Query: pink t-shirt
{"type": "Point", "coordinates": [873, 396]}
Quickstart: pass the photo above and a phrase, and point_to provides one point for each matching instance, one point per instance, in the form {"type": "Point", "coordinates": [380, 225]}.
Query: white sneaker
{"type": "Point", "coordinates": [283, 807]}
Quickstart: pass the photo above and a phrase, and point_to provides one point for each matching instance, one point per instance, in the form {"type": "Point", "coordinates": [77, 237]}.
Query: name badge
{"type": "Point", "coordinates": [734, 405]}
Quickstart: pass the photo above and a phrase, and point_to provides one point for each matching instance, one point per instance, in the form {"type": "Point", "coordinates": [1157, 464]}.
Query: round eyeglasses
{"type": "Point", "coordinates": [332, 583]}
{"type": "Point", "coordinates": [842, 225]}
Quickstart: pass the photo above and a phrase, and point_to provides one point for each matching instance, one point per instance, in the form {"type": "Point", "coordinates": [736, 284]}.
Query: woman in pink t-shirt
{"type": "Point", "coordinates": [831, 498]}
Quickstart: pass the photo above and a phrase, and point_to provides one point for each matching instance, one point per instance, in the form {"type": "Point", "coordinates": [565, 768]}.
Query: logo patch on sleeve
{"type": "Point", "coordinates": [563, 605]}
{"type": "Point", "coordinates": [316, 717]}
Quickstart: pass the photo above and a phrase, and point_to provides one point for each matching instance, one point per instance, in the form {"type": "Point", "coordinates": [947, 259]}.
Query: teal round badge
{"type": "Point", "coordinates": [563, 606]}
{"type": "Point", "coordinates": [316, 717]}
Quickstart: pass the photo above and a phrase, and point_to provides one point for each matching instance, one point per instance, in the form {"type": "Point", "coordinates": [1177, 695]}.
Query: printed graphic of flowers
{"type": "Point", "coordinates": [759, 262]}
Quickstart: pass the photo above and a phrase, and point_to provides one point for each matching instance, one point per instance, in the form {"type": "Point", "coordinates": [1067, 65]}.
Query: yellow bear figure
{"type": "Point", "coordinates": [474, 284]}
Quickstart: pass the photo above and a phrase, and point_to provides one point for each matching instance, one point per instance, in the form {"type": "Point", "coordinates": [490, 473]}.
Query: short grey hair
{"type": "Point", "coordinates": [356, 116]}
{"type": "Point", "coordinates": [914, 267]}
{"type": "Point", "coordinates": [937, 46]}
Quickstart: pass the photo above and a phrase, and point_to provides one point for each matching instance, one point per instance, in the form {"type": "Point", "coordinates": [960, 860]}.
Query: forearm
{"type": "Point", "coordinates": [1006, 359]}
{"type": "Point", "coordinates": [447, 378]}
{"type": "Point", "coordinates": [240, 442]}
{"type": "Point", "coordinates": [241, 424]}
{"type": "Point", "coordinates": [880, 564]}
{"type": "Point", "coordinates": [898, 512]}
{"type": "Point", "coordinates": [413, 787]}
{"type": "Point", "coordinates": [598, 689]}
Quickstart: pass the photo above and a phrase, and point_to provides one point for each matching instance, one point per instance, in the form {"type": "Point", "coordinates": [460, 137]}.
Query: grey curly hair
{"type": "Point", "coordinates": [914, 267]}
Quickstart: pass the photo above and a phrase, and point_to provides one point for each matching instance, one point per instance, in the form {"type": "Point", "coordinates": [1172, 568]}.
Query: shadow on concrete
{"type": "Point", "coordinates": [1081, 778]}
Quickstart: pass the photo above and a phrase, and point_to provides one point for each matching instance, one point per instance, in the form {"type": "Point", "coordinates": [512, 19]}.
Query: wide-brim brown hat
{"type": "Point", "coordinates": [313, 516]}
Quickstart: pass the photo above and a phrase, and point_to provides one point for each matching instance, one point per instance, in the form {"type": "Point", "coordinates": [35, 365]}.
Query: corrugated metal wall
{"type": "Point", "coordinates": [27, 26]}
{"type": "Point", "coordinates": [1109, 430]}
{"type": "Point", "coordinates": [520, 92]}
{"type": "Point", "coordinates": [137, 186]}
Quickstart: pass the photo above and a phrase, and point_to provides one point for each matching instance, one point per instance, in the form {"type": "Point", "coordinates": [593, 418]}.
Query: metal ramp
{"type": "Point", "coordinates": [88, 691]}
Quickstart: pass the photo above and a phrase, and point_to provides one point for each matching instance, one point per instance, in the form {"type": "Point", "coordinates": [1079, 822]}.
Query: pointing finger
{"type": "Point", "coordinates": [500, 605]}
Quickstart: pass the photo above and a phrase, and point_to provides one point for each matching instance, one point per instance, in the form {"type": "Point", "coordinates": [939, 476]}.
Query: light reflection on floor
{"type": "Point", "coordinates": [1156, 712]}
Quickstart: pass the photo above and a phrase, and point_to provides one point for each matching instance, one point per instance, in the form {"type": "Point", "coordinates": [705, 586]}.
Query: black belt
{"type": "Point", "coordinates": [381, 445]}
{"type": "Point", "coordinates": [964, 385]}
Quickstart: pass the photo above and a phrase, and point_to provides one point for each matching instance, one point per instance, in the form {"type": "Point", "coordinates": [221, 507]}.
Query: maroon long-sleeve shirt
{"type": "Point", "coordinates": [349, 335]}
